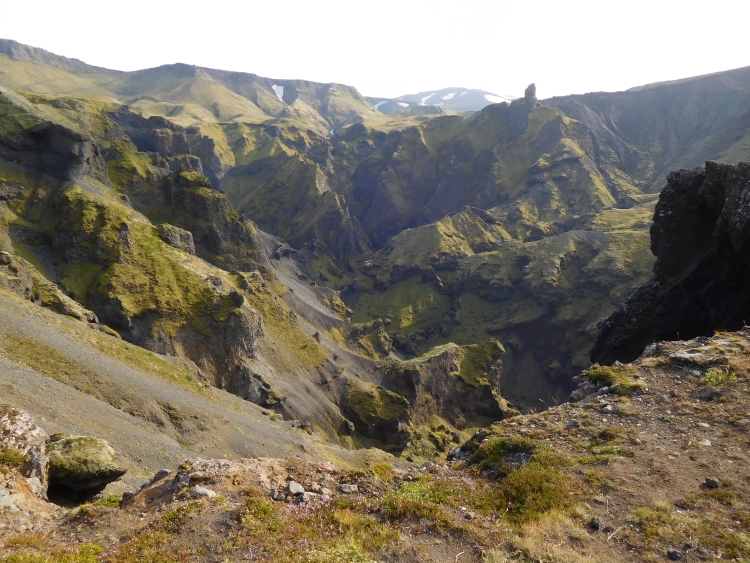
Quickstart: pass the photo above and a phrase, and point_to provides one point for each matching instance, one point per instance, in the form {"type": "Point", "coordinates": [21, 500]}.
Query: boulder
{"type": "Point", "coordinates": [82, 464]}
{"type": "Point", "coordinates": [176, 237]}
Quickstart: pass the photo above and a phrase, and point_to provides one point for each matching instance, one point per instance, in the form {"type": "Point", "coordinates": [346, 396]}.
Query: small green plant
{"type": "Point", "coordinates": [619, 379]}
{"type": "Point", "coordinates": [717, 376]}
{"type": "Point", "coordinates": [384, 471]}
{"type": "Point", "coordinates": [112, 501]}
{"type": "Point", "coordinates": [414, 500]}
{"type": "Point", "coordinates": [532, 490]}
{"type": "Point", "coordinates": [12, 458]}
{"type": "Point", "coordinates": [492, 453]}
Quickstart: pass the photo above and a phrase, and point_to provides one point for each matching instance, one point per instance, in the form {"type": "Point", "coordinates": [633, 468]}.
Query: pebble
{"type": "Point", "coordinates": [742, 422]}
{"type": "Point", "coordinates": [347, 488]}
{"type": "Point", "coordinates": [594, 523]}
{"type": "Point", "coordinates": [608, 409]}
{"type": "Point", "coordinates": [704, 425]}
{"type": "Point", "coordinates": [325, 491]}
{"type": "Point", "coordinates": [712, 483]}
{"type": "Point", "coordinates": [573, 423]}
{"type": "Point", "coordinates": [662, 399]}
{"type": "Point", "coordinates": [705, 443]}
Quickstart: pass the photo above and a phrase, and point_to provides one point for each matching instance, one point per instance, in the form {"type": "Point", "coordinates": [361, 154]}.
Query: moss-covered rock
{"type": "Point", "coordinates": [82, 463]}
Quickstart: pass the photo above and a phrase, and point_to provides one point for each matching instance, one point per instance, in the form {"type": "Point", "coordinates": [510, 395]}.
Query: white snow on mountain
{"type": "Point", "coordinates": [279, 92]}
{"type": "Point", "coordinates": [462, 93]}
{"type": "Point", "coordinates": [403, 104]}
{"type": "Point", "coordinates": [449, 96]}
{"type": "Point", "coordinates": [376, 106]}
{"type": "Point", "coordinates": [424, 100]}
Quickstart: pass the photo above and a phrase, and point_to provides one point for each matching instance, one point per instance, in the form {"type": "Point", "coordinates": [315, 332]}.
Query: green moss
{"type": "Point", "coordinates": [413, 306]}
{"type": "Point", "coordinates": [477, 359]}
{"type": "Point", "coordinates": [619, 379]}
{"type": "Point", "coordinates": [372, 402]}
{"type": "Point", "coordinates": [78, 278]}
{"type": "Point", "coordinates": [129, 164]}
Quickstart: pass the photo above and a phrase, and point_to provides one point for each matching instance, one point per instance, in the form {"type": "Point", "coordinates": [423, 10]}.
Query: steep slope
{"type": "Point", "coordinates": [111, 208]}
{"type": "Point", "coordinates": [700, 279]}
{"type": "Point", "coordinates": [650, 130]}
{"type": "Point", "coordinates": [648, 461]}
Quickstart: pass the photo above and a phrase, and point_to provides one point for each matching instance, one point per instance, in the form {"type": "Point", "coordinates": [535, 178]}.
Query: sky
{"type": "Point", "coordinates": [389, 48]}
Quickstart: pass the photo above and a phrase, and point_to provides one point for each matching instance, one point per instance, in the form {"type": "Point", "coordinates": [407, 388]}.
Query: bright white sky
{"type": "Point", "coordinates": [394, 47]}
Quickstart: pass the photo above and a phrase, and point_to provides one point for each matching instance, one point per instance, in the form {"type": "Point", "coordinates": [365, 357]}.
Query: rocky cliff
{"type": "Point", "coordinates": [701, 280]}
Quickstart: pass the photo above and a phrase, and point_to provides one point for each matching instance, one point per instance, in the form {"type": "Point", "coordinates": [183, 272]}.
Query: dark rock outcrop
{"type": "Point", "coordinates": [701, 281]}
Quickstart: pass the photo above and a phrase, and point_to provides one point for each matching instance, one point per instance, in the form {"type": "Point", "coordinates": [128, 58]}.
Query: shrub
{"type": "Point", "coordinates": [12, 458]}
{"type": "Point", "coordinates": [532, 490]}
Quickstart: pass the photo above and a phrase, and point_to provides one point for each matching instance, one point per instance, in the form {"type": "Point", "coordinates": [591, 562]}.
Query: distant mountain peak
{"type": "Point", "coordinates": [455, 99]}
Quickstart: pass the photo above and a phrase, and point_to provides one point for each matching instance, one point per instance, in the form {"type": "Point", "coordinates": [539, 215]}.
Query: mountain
{"type": "Point", "coordinates": [388, 280]}
{"type": "Point", "coordinates": [454, 99]}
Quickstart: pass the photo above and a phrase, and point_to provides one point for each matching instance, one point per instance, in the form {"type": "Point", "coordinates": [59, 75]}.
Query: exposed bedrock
{"type": "Point", "coordinates": [701, 280]}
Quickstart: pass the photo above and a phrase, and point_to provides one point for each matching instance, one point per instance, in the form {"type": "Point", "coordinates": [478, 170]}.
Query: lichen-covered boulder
{"type": "Point", "coordinates": [83, 464]}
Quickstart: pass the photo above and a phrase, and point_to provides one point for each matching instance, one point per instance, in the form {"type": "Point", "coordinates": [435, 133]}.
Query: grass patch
{"type": "Point", "coordinates": [111, 501]}
{"type": "Point", "coordinates": [12, 458]}
{"type": "Point", "coordinates": [492, 453]}
{"type": "Point", "coordinates": [619, 379]}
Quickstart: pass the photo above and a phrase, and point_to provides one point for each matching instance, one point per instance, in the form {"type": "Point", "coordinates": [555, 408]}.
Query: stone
{"type": "Point", "coordinates": [742, 422]}
{"type": "Point", "coordinates": [308, 496]}
{"type": "Point", "coordinates": [662, 399]}
{"type": "Point", "coordinates": [573, 423]}
{"type": "Point", "coordinates": [177, 238]}
{"type": "Point", "coordinates": [276, 495]}
{"type": "Point", "coordinates": [202, 492]}
{"type": "Point", "coordinates": [704, 443]}
{"type": "Point", "coordinates": [709, 394]}
{"type": "Point", "coordinates": [325, 491]}
{"type": "Point", "coordinates": [608, 409]}
{"type": "Point", "coordinates": [594, 523]}
{"type": "Point", "coordinates": [83, 463]}
{"type": "Point", "coordinates": [674, 554]}
{"type": "Point", "coordinates": [294, 488]}
{"type": "Point", "coordinates": [5, 258]}
{"type": "Point", "coordinates": [35, 485]}
{"type": "Point", "coordinates": [712, 483]}
{"type": "Point", "coordinates": [348, 488]}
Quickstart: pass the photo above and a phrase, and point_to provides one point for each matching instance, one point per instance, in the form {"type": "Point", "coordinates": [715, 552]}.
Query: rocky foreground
{"type": "Point", "coordinates": [649, 461]}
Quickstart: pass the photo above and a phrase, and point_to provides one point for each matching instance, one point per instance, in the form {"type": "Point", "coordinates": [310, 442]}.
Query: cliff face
{"type": "Point", "coordinates": [701, 281]}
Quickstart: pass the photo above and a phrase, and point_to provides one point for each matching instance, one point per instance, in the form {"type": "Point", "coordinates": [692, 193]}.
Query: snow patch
{"type": "Point", "coordinates": [424, 100]}
{"type": "Point", "coordinates": [449, 96]}
{"type": "Point", "coordinates": [494, 99]}
{"type": "Point", "coordinates": [376, 106]}
{"type": "Point", "coordinates": [462, 93]}
{"type": "Point", "coordinates": [439, 104]}
{"type": "Point", "coordinates": [279, 90]}
{"type": "Point", "coordinates": [331, 132]}
{"type": "Point", "coordinates": [403, 104]}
